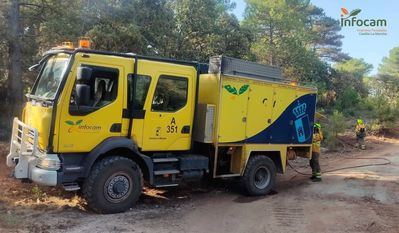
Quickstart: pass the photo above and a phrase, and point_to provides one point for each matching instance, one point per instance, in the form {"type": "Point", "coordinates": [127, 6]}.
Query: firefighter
{"type": "Point", "coordinates": [314, 161]}
{"type": "Point", "coordinates": [360, 131]}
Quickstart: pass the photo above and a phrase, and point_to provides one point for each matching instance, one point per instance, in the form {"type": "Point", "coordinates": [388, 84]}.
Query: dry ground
{"type": "Point", "coordinates": [362, 199]}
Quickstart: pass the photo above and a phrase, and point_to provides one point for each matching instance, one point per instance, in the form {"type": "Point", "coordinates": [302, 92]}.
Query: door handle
{"type": "Point", "coordinates": [185, 129]}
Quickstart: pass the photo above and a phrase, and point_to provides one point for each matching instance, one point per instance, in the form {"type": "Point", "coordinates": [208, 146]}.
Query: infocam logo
{"type": "Point", "coordinates": [79, 127]}
{"type": "Point", "coordinates": [349, 19]}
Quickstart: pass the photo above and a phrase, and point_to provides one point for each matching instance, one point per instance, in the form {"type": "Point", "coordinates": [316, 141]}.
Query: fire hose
{"type": "Point", "coordinates": [387, 162]}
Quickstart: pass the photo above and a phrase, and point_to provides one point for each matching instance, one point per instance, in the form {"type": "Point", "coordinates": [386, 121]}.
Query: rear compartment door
{"type": "Point", "coordinates": [283, 97]}
{"type": "Point", "coordinates": [282, 116]}
{"type": "Point", "coordinates": [260, 107]}
{"type": "Point", "coordinates": [233, 110]}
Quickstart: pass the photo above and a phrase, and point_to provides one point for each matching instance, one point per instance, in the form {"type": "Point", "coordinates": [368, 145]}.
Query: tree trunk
{"type": "Point", "coordinates": [271, 43]}
{"type": "Point", "coordinates": [15, 86]}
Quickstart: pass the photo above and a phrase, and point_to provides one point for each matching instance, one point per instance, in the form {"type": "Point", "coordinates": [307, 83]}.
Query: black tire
{"type": "Point", "coordinates": [259, 176]}
{"type": "Point", "coordinates": [113, 186]}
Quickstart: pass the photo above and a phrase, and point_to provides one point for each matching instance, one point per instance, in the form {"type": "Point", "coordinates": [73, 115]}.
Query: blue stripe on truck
{"type": "Point", "coordinates": [294, 125]}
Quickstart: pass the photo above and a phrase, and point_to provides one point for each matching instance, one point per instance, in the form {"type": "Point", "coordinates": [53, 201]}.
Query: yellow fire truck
{"type": "Point", "coordinates": [105, 122]}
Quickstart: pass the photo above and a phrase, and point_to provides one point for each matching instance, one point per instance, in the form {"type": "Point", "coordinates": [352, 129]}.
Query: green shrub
{"type": "Point", "coordinates": [336, 125]}
{"type": "Point", "coordinates": [37, 192]}
{"type": "Point", "coordinates": [348, 101]}
{"type": "Point", "coordinates": [384, 112]}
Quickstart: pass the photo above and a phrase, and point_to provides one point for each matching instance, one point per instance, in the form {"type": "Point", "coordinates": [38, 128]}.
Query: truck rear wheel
{"type": "Point", "coordinates": [114, 185]}
{"type": "Point", "coordinates": [259, 176]}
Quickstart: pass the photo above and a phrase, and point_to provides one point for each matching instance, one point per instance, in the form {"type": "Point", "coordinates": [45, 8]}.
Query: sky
{"type": "Point", "coordinates": [372, 48]}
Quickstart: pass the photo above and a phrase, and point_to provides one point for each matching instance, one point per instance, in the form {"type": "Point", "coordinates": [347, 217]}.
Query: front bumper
{"type": "Point", "coordinates": [26, 168]}
{"type": "Point", "coordinates": [24, 156]}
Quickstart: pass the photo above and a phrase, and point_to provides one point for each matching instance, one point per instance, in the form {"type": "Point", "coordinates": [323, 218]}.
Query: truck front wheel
{"type": "Point", "coordinates": [114, 185]}
{"type": "Point", "coordinates": [259, 176]}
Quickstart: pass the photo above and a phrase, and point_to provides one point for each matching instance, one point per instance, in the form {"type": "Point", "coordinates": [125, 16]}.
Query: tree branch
{"type": "Point", "coordinates": [30, 5]}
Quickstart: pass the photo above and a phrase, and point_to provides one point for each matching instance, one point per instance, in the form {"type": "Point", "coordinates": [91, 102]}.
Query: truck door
{"type": "Point", "coordinates": [169, 112]}
{"type": "Point", "coordinates": [83, 126]}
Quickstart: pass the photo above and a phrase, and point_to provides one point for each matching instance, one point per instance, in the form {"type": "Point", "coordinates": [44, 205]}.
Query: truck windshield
{"type": "Point", "coordinates": [51, 76]}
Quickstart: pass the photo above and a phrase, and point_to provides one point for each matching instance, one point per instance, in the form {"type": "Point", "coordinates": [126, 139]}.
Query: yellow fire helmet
{"type": "Point", "coordinates": [317, 125]}
{"type": "Point", "coordinates": [359, 121]}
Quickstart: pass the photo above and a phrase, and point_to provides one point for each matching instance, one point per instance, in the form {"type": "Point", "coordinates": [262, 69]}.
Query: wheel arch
{"type": "Point", "coordinates": [123, 147]}
{"type": "Point", "coordinates": [275, 156]}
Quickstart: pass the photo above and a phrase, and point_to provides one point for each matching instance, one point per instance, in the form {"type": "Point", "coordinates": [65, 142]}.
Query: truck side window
{"type": "Point", "coordinates": [170, 94]}
{"type": "Point", "coordinates": [142, 84]}
{"type": "Point", "coordinates": [103, 90]}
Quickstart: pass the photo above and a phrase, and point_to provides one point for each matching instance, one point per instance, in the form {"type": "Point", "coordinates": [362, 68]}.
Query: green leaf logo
{"type": "Point", "coordinates": [231, 89]}
{"type": "Point", "coordinates": [243, 89]}
{"type": "Point", "coordinates": [69, 123]}
{"type": "Point", "coordinates": [354, 12]}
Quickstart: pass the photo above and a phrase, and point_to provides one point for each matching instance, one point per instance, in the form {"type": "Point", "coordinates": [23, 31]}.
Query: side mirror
{"type": "Point", "coordinates": [84, 75]}
{"type": "Point", "coordinates": [82, 86]}
{"type": "Point", "coordinates": [82, 94]}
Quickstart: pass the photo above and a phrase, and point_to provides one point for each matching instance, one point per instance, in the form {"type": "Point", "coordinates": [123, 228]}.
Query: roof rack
{"type": "Point", "coordinates": [237, 67]}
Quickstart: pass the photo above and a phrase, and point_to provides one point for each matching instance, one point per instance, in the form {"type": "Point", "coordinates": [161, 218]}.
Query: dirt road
{"type": "Point", "coordinates": [353, 200]}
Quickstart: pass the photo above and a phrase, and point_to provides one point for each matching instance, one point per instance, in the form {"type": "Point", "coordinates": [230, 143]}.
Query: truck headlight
{"type": "Point", "coordinates": [48, 162]}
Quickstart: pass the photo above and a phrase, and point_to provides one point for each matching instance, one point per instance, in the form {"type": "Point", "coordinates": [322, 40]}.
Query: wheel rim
{"type": "Point", "coordinates": [261, 177]}
{"type": "Point", "coordinates": [118, 187]}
